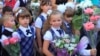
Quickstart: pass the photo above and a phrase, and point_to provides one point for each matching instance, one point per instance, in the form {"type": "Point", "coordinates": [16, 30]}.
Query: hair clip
{"type": "Point", "coordinates": [20, 11]}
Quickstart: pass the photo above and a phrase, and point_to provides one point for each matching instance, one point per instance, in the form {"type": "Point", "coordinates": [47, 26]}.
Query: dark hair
{"type": "Point", "coordinates": [69, 12]}
{"type": "Point", "coordinates": [7, 9]}
{"type": "Point", "coordinates": [42, 3]}
{"type": "Point", "coordinates": [23, 13]}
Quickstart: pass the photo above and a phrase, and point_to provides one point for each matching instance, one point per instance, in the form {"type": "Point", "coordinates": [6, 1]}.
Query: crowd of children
{"type": "Point", "coordinates": [35, 37]}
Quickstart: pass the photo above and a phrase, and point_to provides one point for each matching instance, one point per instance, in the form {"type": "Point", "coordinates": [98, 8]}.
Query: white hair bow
{"type": "Point", "coordinates": [20, 11]}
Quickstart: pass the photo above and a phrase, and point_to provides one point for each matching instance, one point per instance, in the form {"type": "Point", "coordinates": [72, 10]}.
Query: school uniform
{"type": "Point", "coordinates": [68, 28]}
{"type": "Point", "coordinates": [26, 36]}
{"type": "Point", "coordinates": [51, 35]}
{"type": "Point", "coordinates": [40, 20]}
{"type": "Point", "coordinates": [7, 33]}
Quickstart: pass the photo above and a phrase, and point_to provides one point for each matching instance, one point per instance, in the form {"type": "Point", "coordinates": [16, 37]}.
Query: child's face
{"type": "Point", "coordinates": [8, 13]}
{"type": "Point", "coordinates": [45, 8]}
{"type": "Point", "coordinates": [10, 22]}
{"type": "Point", "coordinates": [68, 19]}
{"type": "Point", "coordinates": [24, 21]}
{"type": "Point", "coordinates": [56, 20]}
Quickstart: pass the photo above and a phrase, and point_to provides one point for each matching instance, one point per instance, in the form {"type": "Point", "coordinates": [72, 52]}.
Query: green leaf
{"type": "Point", "coordinates": [77, 38]}
{"type": "Point", "coordinates": [77, 22]}
{"type": "Point", "coordinates": [97, 11]}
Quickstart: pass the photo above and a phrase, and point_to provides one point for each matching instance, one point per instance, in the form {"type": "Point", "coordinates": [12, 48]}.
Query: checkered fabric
{"type": "Point", "coordinates": [26, 43]}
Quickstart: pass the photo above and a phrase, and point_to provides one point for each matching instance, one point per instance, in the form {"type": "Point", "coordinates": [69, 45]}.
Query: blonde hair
{"type": "Point", "coordinates": [47, 24]}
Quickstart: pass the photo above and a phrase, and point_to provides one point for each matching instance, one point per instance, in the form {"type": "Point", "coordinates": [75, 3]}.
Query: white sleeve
{"type": "Point", "coordinates": [3, 37]}
{"type": "Point", "coordinates": [15, 34]}
{"type": "Point", "coordinates": [84, 43]}
{"type": "Point", "coordinates": [16, 6]}
{"type": "Point", "coordinates": [38, 23]}
{"type": "Point", "coordinates": [48, 36]}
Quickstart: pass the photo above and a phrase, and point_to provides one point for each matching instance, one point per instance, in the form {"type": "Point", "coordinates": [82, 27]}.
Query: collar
{"type": "Point", "coordinates": [65, 22]}
{"type": "Point", "coordinates": [44, 14]}
{"type": "Point", "coordinates": [9, 29]}
{"type": "Point", "coordinates": [53, 28]}
{"type": "Point", "coordinates": [23, 28]}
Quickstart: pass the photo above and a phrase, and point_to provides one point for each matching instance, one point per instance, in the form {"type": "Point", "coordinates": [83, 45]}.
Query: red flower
{"type": "Point", "coordinates": [13, 40]}
{"type": "Point", "coordinates": [88, 11]}
{"type": "Point", "coordinates": [94, 18]}
{"type": "Point", "coordinates": [89, 26]}
{"type": "Point", "coordinates": [6, 42]}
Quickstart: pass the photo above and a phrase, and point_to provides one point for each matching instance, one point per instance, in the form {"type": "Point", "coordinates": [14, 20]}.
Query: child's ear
{"type": "Point", "coordinates": [41, 7]}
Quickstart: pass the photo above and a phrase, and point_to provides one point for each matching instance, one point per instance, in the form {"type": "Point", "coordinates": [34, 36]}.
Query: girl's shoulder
{"type": "Point", "coordinates": [47, 35]}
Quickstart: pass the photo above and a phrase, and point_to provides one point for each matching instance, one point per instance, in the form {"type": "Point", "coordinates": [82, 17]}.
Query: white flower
{"type": "Point", "coordinates": [35, 4]}
{"type": "Point", "coordinates": [70, 48]}
{"type": "Point", "coordinates": [66, 36]}
{"type": "Point", "coordinates": [67, 40]}
{"type": "Point", "coordinates": [73, 45]}
{"type": "Point", "coordinates": [66, 45]}
{"type": "Point", "coordinates": [57, 44]}
{"type": "Point", "coordinates": [73, 40]}
{"type": "Point", "coordinates": [84, 4]}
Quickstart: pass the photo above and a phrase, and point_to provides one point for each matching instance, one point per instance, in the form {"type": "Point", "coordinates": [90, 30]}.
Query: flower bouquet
{"type": "Point", "coordinates": [91, 29]}
{"type": "Point", "coordinates": [12, 46]}
{"type": "Point", "coordinates": [65, 46]}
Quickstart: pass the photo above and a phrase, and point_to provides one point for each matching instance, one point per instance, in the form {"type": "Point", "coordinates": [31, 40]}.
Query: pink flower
{"type": "Point", "coordinates": [6, 42]}
{"type": "Point", "coordinates": [13, 40]}
{"type": "Point", "coordinates": [89, 26]}
{"type": "Point", "coordinates": [94, 18]}
{"type": "Point", "coordinates": [88, 11]}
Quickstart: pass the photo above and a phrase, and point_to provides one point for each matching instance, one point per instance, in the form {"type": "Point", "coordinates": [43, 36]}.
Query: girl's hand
{"type": "Point", "coordinates": [5, 42]}
{"type": "Point", "coordinates": [93, 52]}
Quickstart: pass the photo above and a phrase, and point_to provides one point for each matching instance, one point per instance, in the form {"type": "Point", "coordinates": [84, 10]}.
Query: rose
{"type": "Point", "coordinates": [13, 40]}
{"type": "Point", "coordinates": [6, 42]}
{"type": "Point", "coordinates": [89, 26]}
{"type": "Point", "coordinates": [94, 17]}
{"type": "Point", "coordinates": [88, 11]}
